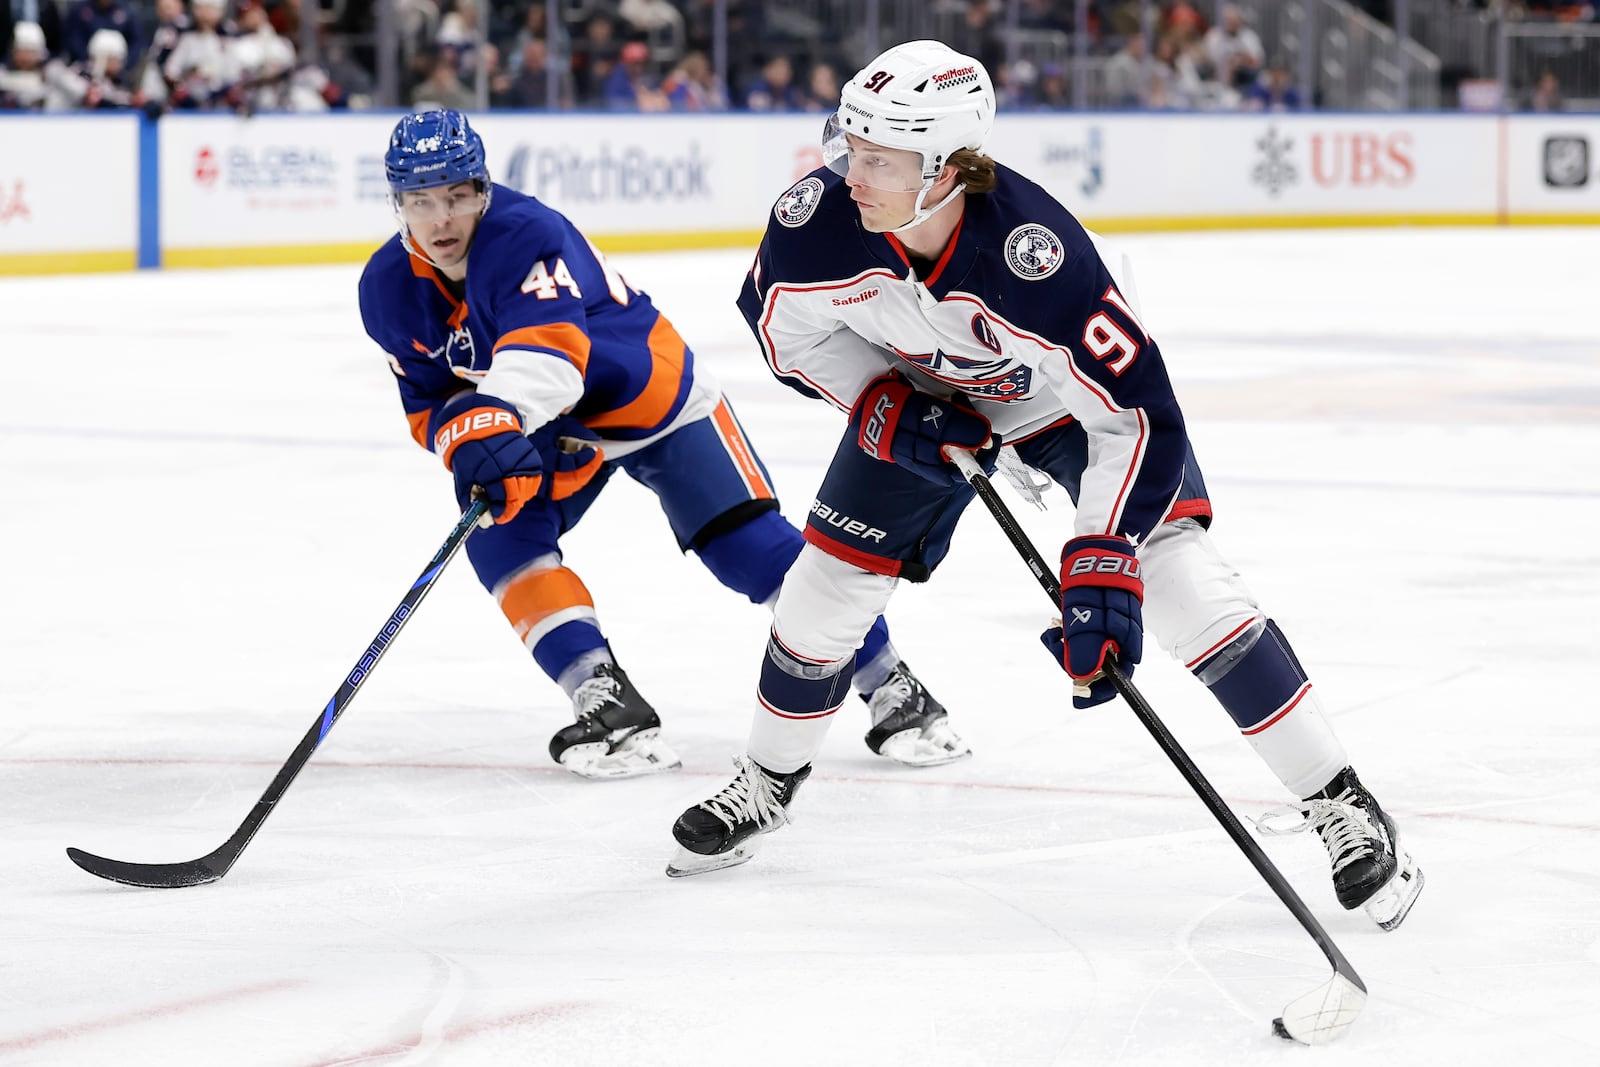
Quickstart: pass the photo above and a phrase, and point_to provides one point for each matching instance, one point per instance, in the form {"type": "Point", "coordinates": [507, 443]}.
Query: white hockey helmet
{"type": "Point", "coordinates": [28, 35]}
{"type": "Point", "coordinates": [106, 44]}
{"type": "Point", "coordinates": [922, 96]}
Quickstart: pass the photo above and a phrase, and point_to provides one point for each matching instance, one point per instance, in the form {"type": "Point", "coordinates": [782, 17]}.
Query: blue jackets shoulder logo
{"type": "Point", "coordinates": [1033, 252]}
{"type": "Point", "coordinates": [795, 206]}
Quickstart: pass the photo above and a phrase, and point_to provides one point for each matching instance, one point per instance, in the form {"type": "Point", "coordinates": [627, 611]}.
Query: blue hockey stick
{"type": "Point", "coordinates": [214, 865]}
{"type": "Point", "coordinates": [1315, 1018]}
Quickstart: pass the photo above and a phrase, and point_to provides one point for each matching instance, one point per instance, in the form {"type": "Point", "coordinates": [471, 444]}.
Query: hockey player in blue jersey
{"type": "Point", "coordinates": [538, 374]}
{"type": "Point", "coordinates": [946, 302]}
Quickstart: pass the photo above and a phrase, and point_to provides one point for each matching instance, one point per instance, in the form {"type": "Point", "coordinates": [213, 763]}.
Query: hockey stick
{"type": "Point", "coordinates": [214, 865]}
{"type": "Point", "coordinates": [1315, 1018]}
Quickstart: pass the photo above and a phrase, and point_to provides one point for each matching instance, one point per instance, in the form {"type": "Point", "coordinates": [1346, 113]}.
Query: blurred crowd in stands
{"type": "Point", "coordinates": [616, 55]}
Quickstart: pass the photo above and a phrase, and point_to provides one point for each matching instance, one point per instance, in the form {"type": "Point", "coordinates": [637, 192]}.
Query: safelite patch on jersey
{"type": "Point", "coordinates": [1033, 252]}
{"type": "Point", "coordinates": [795, 207]}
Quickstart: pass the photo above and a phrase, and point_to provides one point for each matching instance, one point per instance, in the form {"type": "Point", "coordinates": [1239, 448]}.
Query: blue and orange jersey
{"type": "Point", "coordinates": [542, 321]}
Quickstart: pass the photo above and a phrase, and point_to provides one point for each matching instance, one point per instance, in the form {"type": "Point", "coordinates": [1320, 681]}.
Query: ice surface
{"type": "Point", "coordinates": [209, 503]}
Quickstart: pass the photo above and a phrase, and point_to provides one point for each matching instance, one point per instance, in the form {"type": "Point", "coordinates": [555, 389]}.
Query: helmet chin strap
{"type": "Point", "coordinates": [921, 214]}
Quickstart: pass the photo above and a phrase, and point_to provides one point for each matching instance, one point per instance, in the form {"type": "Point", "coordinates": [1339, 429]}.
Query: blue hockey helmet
{"type": "Point", "coordinates": [433, 148]}
{"type": "Point", "coordinates": [427, 150]}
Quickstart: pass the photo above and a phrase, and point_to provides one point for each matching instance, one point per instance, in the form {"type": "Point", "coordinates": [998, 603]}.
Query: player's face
{"type": "Point", "coordinates": [442, 220]}
{"type": "Point", "coordinates": [884, 183]}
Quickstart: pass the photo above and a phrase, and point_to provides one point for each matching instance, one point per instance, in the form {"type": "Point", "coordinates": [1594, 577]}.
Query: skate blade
{"type": "Point", "coordinates": [934, 747]}
{"type": "Point", "coordinates": [635, 756]}
{"type": "Point", "coordinates": [684, 863]}
{"type": "Point", "coordinates": [1390, 905]}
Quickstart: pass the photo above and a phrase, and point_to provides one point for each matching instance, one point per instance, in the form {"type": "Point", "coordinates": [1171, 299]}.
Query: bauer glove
{"type": "Point", "coordinates": [481, 442]}
{"type": "Point", "coordinates": [899, 424]}
{"type": "Point", "coordinates": [1102, 597]}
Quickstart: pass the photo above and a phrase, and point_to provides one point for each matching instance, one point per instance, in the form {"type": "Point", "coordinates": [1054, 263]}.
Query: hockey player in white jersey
{"type": "Point", "coordinates": [947, 302]}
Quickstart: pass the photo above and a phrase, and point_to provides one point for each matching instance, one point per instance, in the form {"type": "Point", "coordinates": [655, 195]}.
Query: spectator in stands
{"type": "Point", "coordinates": [172, 22]}
{"type": "Point", "coordinates": [202, 68]}
{"type": "Point", "coordinates": [100, 83]}
{"type": "Point", "coordinates": [649, 16]}
{"type": "Point", "coordinates": [285, 18]}
{"type": "Point", "coordinates": [22, 86]}
{"type": "Point", "coordinates": [87, 16]}
{"type": "Point", "coordinates": [694, 86]}
{"type": "Point", "coordinates": [822, 89]}
{"type": "Point", "coordinates": [266, 64]}
{"type": "Point", "coordinates": [1273, 91]}
{"type": "Point", "coordinates": [1183, 21]}
{"type": "Point", "coordinates": [349, 84]}
{"type": "Point", "coordinates": [442, 87]}
{"type": "Point", "coordinates": [1125, 18]}
{"type": "Point", "coordinates": [557, 45]}
{"type": "Point", "coordinates": [1547, 94]}
{"type": "Point", "coordinates": [1175, 83]}
{"type": "Point", "coordinates": [1235, 50]}
{"type": "Point", "coordinates": [458, 32]}
{"type": "Point", "coordinates": [1052, 93]}
{"type": "Point", "coordinates": [1015, 90]}
{"type": "Point", "coordinates": [594, 57]}
{"type": "Point", "coordinates": [631, 86]}
{"type": "Point", "coordinates": [978, 34]}
{"type": "Point", "coordinates": [43, 13]}
{"type": "Point", "coordinates": [773, 89]}
{"type": "Point", "coordinates": [1126, 77]}
{"type": "Point", "coordinates": [498, 77]}
{"type": "Point", "coordinates": [530, 88]}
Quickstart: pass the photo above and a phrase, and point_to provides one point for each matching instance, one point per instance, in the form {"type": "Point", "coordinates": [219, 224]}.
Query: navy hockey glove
{"type": "Point", "coordinates": [570, 459]}
{"type": "Point", "coordinates": [1102, 598]}
{"type": "Point", "coordinates": [899, 424]}
{"type": "Point", "coordinates": [481, 442]}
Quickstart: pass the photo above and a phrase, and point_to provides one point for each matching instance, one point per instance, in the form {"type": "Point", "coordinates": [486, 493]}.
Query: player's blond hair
{"type": "Point", "coordinates": [975, 170]}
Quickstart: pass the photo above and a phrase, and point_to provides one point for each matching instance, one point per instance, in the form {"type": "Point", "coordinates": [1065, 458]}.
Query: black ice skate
{"type": "Point", "coordinates": [911, 727]}
{"type": "Point", "coordinates": [617, 735]}
{"type": "Point", "coordinates": [726, 830]}
{"type": "Point", "coordinates": [1371, 870]}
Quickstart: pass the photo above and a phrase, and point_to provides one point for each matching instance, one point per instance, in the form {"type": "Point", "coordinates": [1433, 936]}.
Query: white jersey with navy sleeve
{"type": "Point", "coordinates": [1020, 314]}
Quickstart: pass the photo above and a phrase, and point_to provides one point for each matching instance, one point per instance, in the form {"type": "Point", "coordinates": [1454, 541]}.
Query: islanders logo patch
{"type": "Point", "coordinates": [795, 207]}
{"type": "Point", "coordinates": [1033, 252]}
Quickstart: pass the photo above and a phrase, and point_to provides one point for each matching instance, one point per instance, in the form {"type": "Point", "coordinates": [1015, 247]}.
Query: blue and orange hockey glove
{"type": "Point", "coordinates": [1102, 611]}
{"type": "Point", "coordinates": [570, 458]}
{"type": "Point", "coordinates": [481, 442]}
{"type": "Point", "coordinates": [899, 424]}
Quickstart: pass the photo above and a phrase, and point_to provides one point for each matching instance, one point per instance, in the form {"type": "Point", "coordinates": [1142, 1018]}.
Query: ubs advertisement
{"type": "Point", "coordinates": [68, 185]}
{"type": "Point", "coordinates": [1235, 168]}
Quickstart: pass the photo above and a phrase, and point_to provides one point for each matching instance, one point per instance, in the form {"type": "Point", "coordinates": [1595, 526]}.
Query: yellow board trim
{"type": "Point", "coordinates": [1160, 223]}
{"type": "Point", "coordinates": [304, 255]}
{"type": "Point", "coordinates": [679, 241]}
{"type": "Point", "coordinates": [267, 256]}
{"type": "Point", "coordinates": [1553, 220]}
{"type": "Point", "coordinates": [66, 262]}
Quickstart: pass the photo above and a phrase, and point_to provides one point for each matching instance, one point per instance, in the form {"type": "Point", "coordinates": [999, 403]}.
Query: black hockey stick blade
{"type": "Point", "coordinates": [151, 875]}
{"type": "Point", "coordinates": [213, 865]}
{"type": "Point", "coordinates": [1314, 1018]}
